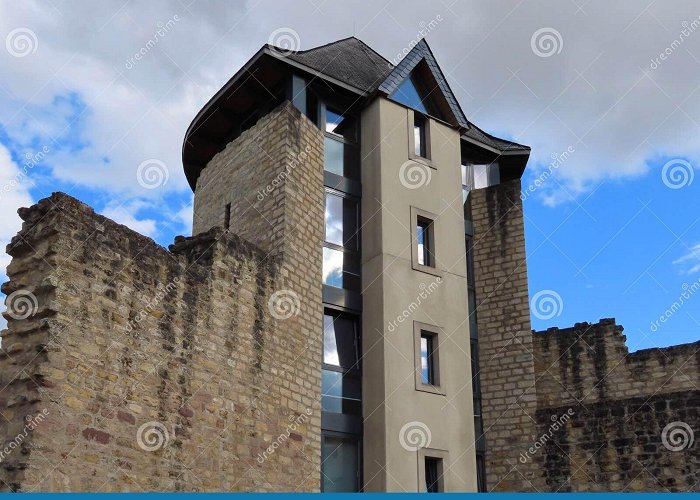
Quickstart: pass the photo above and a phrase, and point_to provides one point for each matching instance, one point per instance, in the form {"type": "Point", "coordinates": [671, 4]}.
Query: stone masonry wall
{"type": "Point", "coordinates": [137, 368]}
{"type": "Point", "coordinates": [505, 340]}
{"type": "Point", "coordinates": [609, 420]}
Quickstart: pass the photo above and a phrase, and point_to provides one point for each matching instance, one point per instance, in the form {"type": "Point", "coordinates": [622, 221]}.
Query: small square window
{"type": "Point", "coordinates": [427, 358]}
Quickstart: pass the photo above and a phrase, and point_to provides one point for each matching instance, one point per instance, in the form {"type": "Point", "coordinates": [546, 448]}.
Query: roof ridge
{"type": "Point", "coordinates": [327, 44]}
{"type": "Point", "coordinates": [367, 46]}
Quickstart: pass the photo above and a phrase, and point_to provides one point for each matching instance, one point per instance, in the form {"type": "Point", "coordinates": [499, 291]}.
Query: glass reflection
{"type": "Point", "coordinates": [332, 267]}
{"type": "Point", "coordinates": [333, 156]}
{"type": "Point", "coordinates": [334, 219]}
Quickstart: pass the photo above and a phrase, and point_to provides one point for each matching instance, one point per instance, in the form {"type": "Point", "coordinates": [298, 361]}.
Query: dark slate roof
{"type": "Point", "coordinates": [403, 70]}
{"type": "Point", "coordinates": [502, 145]}
{"type": "Point", "coordinates": [349, 60]}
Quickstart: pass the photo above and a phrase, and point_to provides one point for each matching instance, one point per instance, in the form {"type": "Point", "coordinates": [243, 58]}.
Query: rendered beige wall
{"type": "Point", "coordinates": [393, 289]}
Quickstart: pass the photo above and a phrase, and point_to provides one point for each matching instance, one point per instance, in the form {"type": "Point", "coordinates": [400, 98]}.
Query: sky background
{"type": "Point", "coordinates": [613, 230]}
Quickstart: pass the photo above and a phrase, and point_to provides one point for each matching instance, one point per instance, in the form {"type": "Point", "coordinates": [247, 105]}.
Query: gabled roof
{"type": "Point", "coordinates": [348, 65]}
{"type": "Point", "coordinates": [421, 52]}
{"type": "Point", "coordinates": [349, 60]}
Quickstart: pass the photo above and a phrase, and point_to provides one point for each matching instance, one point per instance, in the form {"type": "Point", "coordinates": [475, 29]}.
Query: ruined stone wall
{"type": "Point", "coordinates": [613, 420]}
{"type": "Point", "coordinates": [138, 368]}
{"type": "Point", "coordinates": [505, 340]}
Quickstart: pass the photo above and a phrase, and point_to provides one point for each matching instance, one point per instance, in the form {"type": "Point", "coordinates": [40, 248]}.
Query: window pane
{"type": "Point", "coordinates": [340, 393]}
{"type": "Point", "coordinates": [332, 120]}
{"type": "Point", "coordinates": [408, 94]}
{"type": "Point", "coordinates": [339, 345]}
{"type": "Point", "coordinates": [425, 368]}
{"type": "Point", "coordinates": [334, 219]}
{"type": "Point", "coordinates": [333, 267]}
{"type": "Point", "coordinates": [418, 138]}
{"type": "Point", "coordinates": [432, 475]}
{"type": "Point", "coordinates": [423, 237]}
{"type": "Point", "coordinates": [339, 465]}
{"type": "Point", "coordinates": [333, 156]}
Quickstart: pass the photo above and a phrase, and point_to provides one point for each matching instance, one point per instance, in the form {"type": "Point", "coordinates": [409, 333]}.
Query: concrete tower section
{"type": "Point", "coordinates": [406, 420]}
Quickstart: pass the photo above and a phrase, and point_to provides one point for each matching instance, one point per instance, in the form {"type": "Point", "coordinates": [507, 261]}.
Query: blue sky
{"type": "Point", "coordinates": [606, 236]}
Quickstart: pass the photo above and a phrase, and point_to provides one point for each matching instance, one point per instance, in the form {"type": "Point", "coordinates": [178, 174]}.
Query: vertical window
{"type": "Point", "coordinates": [340, 460]}
{"type": "Point", "coordinates": [419, 136]}
{"type": "Point", "coordinates": [427, 358]}
{"type": "Point", "coordinates": [341, 268]}
{"type": "Point", "coordinates": [423, 235]}
{"type": "Point", "coordinates": [467, 181]}
{"type": "Point", "coordinates": [433, 475]}
{"type": "Point", "coordinates": [423, 254]}
{"type": "Point", "coordinates": [340, 151]}
{"type": "Point", "coordinates": [227, 216]}
{"type": "Point", "coordinates": [341, 385]}
{"type": "Point", "coordinates": [427, 350]}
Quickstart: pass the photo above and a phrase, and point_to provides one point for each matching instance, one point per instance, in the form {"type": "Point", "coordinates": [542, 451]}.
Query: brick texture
{"type": "Point", "coordinates": [620, 404]}
{"type": "Point", "coordinates": [215, 343]}
{"type": "Point", "coordinates": [505, 340]}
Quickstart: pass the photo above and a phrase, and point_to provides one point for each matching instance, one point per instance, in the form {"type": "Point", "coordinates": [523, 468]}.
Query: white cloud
{"type": "Point", "coordinates": [690, 262]}
{"type": "Point", "coordinates": [126, 213]}
{"type": "Point", "coordinates": [13, 194]}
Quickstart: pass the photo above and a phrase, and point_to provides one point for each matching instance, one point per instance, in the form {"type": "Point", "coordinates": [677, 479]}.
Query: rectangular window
{"type": "Point", "coordinates": [433, 475]}
{"type": "Point", "coordinates": [227, 216]}
{"type": "Point", "coordinates": [341, 221]}
{"type": "Point", "coordinates": [427, 358]}
{"type": "Point", "coordinates": [419, 136]}
{"type": "Point", "coordinates": [427, 350]}
{"type": "Point", "coordinates": [340, 464]}
{"type": "Point", "coordinates": [423, 253]}
{"type": "Point", "coordinates": [425, 243]}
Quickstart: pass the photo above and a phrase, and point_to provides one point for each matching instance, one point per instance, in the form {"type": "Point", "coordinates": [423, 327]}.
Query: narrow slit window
{"type": "Point", "coordinates": [419, 136]}
{"type": "Point", "coordinates": [425, 243]}
{"type": "Point", "coordinates": [428, 358]}
{"type": "Point", "coordinates": [227, 216]}
{"type": "Point", "coordinates": [433, 475]}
